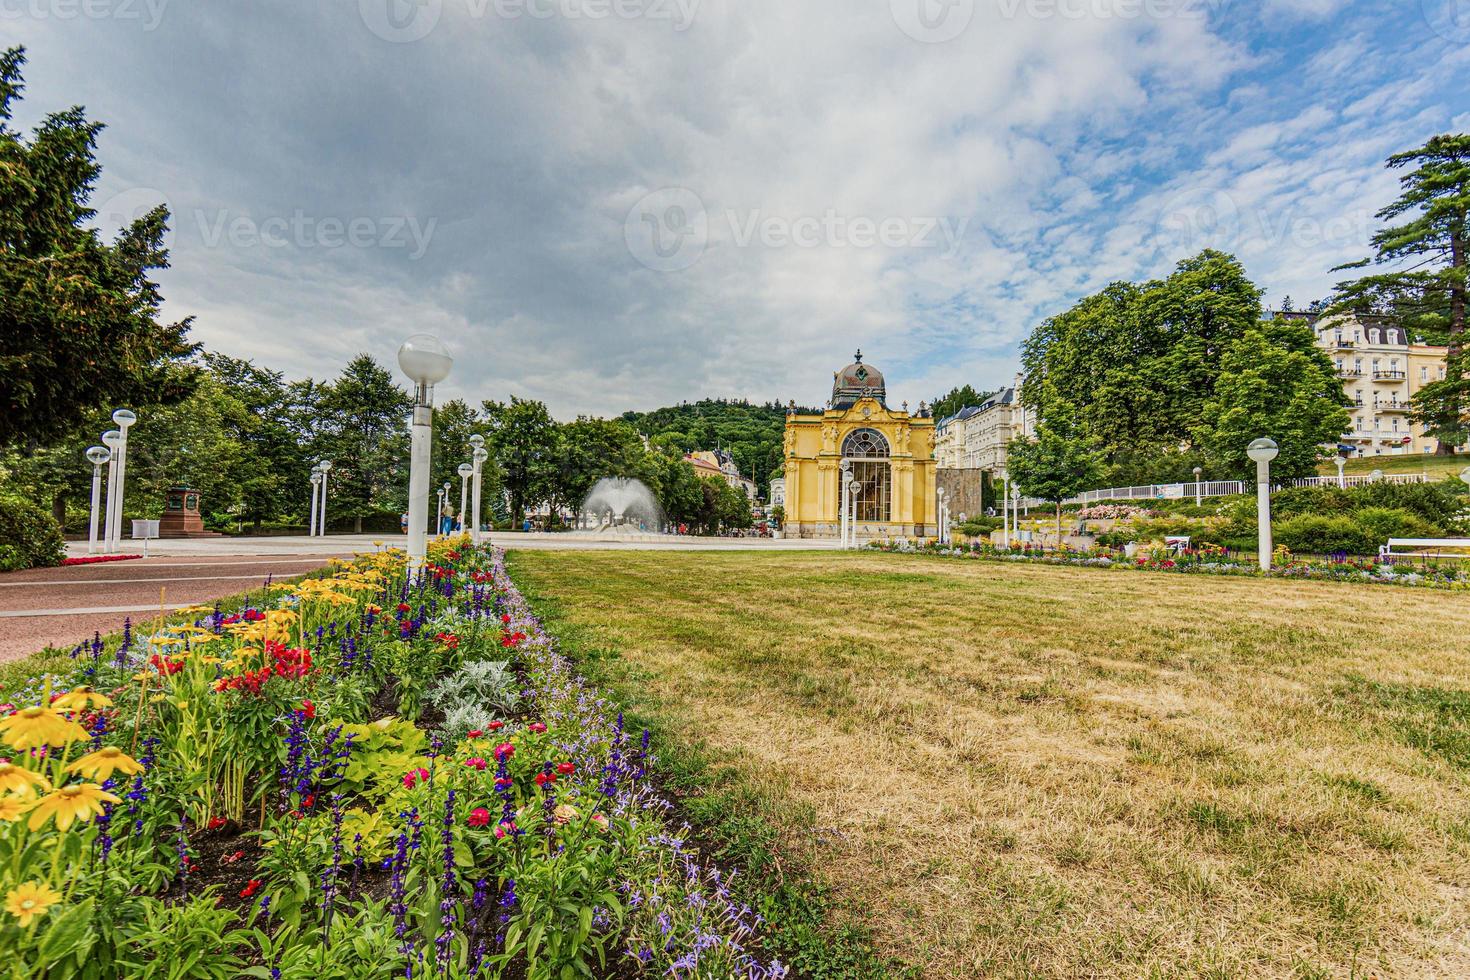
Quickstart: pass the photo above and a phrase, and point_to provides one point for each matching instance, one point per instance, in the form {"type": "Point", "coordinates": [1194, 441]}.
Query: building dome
{"type": "Point", "coordinates": [857, 380]}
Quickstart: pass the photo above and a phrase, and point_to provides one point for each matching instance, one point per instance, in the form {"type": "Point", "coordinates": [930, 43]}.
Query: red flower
{"type": "Point", "coordinates": [254, 615]}
{"type": "Point", "coordinates": [447, 640]}
{"type": "Point", "coordinates": [307, 709]}
{"type": "Point", "coordinates": [476, 763]}
{"type": "Point", "coordinates": [504, 751]}
{"type": "Point", "coordinates": [566, 768]}
{"type": "Point", "coordinates": [478, 817]}
{"type": "Point", "coordinates": [403, 607]}
{"type": "Point", "coordinates": [544, 778]}
{"type": "Point", "coordinates": [496, 726]}
{"type": "Point", "coordinates": [507, 827]}
{"type": "Point", "coordinates": [505, 618]}
{"type": "Point", "coordinates": [537, 727]}
{"type": "Point", "coordinates": [474, 733]}
{"type": "Point", "coordinates": [251, 888]}
{"type": "Point", "coordinates": [504, 783]}
{"type": "Point", "coordinates": [216, 823]}
{"type": "Point", "coordinates": [415, 776]}
{"type": "Point", "coordinates": [310, 801]}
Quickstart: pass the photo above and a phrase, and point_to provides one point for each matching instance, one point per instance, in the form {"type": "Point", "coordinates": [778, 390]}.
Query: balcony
{"type": "Point", "coordinates": [1393, 377]}
{"type": "Point", "coordinates": [1347, 372]}
{"type": "Point", "coordinates": [1392, 406]}
{"type": "Point", "coordinates": [1337, 343]}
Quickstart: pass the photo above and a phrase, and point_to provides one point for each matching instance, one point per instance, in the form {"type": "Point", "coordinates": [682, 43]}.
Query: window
{"type": "Point", "coordinates": [1361, 427]}
{"type": "Point", "coordinates": [865, 444]}
{"type": "Point", "coordinates": [1375, 364]}
{"type": "Point", "coordinates": [1423, 374]}
{"type": "Point", "coordinates": [1372, 336]}
{"type": "Point", "coordinates": [869, 453]}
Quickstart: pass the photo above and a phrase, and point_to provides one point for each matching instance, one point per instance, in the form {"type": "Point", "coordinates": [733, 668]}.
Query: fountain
{"type": "Point", "coordinates": [619, 505]}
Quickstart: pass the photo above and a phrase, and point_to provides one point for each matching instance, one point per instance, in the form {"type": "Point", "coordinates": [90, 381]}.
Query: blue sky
{"type": "Point", "coordinates": [613, 204]}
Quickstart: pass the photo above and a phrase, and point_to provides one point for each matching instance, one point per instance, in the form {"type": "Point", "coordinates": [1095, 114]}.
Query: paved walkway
{"type": "Point", "coordinates": [62, 606]}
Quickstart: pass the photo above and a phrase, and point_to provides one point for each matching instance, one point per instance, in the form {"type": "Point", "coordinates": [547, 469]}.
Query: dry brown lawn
{"type": "Point", "coordinates": [1031, 771]}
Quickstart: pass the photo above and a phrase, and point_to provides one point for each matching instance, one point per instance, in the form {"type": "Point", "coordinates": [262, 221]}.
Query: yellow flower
{"type": "Point", "coordinates": [81, 698]}
{"type": "Point", "coordinates": [27, 901]}
{"type": "Point", "coordinates": [103, 763]}
{"type": "Point", "coordinates": [10, 809]}
{"type": "Point", "coordinates": [76, 802]}
{"type": "Point", "coordinates": [31, 728]}
{"type": "Point", "coordinates": [14, 779]}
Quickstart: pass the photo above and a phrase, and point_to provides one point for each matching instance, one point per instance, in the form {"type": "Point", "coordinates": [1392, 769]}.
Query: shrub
{"type": "Point", "coordinates": [486, 684]}
{"type": "Point", "coordinates": [1318, 535]}
{"type": "Point", "coordinates": [1393, 522]}
{"type": "Point", "coordinates": [29, 537]}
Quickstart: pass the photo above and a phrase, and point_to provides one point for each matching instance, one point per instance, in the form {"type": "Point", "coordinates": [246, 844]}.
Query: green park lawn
{"type": "Point", "coordinates": [1438, 467]}
{"type": "Point", "coordinates": [1019, 770]}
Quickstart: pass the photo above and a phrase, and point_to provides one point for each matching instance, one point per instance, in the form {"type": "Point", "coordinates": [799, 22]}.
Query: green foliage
{"type": "Point", "coordinates": [1274, 382]}
{"type": "Point", "coordinates": [962, 397]}
{"type": "Point", "coordinates": [1053, 466]}
{"type": "Point", "coordinates": [366, 440]}
{"type": "Point", "coordinates": [488, 684]}
{"type": "Point", "coordinates": [29, 538]}
{"type": "Point", "coordinates": [78, 316]}
{"type": "Point", "coordinates": [1430, 245]}
{"type": "Point", "coordinates": [1131, 368]}
{"type": "Point", "coordinates": [1317, 535]}
{"type": "Point", "coordinates": [753, 434]}
{"type": "Point", "coordinates": [524, 441]}
{"type": "Point", "coordinates": [381, 752]}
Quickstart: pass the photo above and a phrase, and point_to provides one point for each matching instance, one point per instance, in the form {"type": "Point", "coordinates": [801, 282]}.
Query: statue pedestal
{"type": "Point", "coordinates": [181, 517]}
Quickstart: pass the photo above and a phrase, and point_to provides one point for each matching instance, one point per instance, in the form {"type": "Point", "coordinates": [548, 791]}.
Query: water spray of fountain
{"type": "Point", "coordinates": [619, 505]}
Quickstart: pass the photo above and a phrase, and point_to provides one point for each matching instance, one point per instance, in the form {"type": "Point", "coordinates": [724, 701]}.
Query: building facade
{"type": "Point", "coordinates": [1381, 371]}
{"type": "Point", "coordinates": [889, 453]}
{"type": "Point", "coordinates": [720, 464]}
{"type": "Point", "coordinates": [978, 437]}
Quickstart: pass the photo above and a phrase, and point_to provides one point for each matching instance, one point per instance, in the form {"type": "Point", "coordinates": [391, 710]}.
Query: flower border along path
{"type": "Point", "coordinates": [236, 796]}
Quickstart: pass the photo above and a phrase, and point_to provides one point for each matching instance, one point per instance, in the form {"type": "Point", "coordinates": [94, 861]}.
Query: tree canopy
{"type": "Point", "coordinates": [79, 323]}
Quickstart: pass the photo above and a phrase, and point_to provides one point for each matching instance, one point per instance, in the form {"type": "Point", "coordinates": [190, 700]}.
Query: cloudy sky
{"type": "Point", "coordinates": [613, 204]}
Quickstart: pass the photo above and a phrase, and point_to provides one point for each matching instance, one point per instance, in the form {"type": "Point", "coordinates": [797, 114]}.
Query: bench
{"type": "Point", "coordinates": [1395, 545]}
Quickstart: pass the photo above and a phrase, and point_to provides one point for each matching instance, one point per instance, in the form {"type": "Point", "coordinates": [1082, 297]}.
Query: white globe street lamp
{"type": "Point", "coordinates": [846, 494]}
{"type": "Point", "coordinates": [1199, 489]}
{"type": "Point", "coordinates": [443, 507]}
{"type": "Point", "coordinates": [1341, 479]}
{"type": "Point", "coordinates": [1005, 508]}
{"type": "Point", "coordinates": [939, 514]}
{"type": "Point", "coordinates": [1465, 475]}
{"type": "Point", "coordinates": [1375, 477]}
{"type": "Point", "coordinates": [854, 490]}
{"type": "Point", "coordinates": [478, 457]}
{"type": "Point", "coordinates": [326, 467]}
{"type": "Point", "coordinates": [426, 361]}
{"type": "Point", "coordinates": [316, 489]}
{"type": "Point", "coordinates": [124, 420]}
{"type": "Point", "coordinates": [466, 472]}
{"type": "Point", "coordinates": [98, 456]}
{"type": "Point", "coordinates": [1262, 451]}
{"type": "Point", "coordinates": [112, 440]}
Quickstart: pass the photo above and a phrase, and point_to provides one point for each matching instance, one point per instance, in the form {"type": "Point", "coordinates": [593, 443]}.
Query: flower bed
{"type": "Point", "coordinates": [1210, 560]}
{"type": "Point", "coordinates": [98, 559]}
{"type": "Point", "coordinates": [362, 777]}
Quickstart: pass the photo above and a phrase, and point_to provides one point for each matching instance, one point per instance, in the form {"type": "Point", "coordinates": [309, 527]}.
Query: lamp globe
{"type": "Point", "coordinates": [425, 359]}
{"type": "Point", "coordinates": [1263, 450]}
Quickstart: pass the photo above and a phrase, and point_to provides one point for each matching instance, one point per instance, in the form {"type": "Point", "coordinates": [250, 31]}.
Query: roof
{"type": "Point", "coordinates": [858, 380]}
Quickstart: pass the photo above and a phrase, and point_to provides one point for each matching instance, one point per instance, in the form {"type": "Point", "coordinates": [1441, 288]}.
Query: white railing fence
{"type": "Point", "coordinates": [1217, 488]}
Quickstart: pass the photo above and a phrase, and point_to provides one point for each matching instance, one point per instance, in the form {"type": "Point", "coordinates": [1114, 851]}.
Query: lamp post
{"type": "Point", "coordinates": [1465, 475]}
{"type": "Point", "coordinates": [939, 513]}
{"type": "Point", "coordinates": [466, 472]}
{"type": "Point", "coordinates": [1005, 506]}
{"type": "Point", "coordinates": [1375, 477]}
{"type": "Point", "coordinates": [1341, 479]}
{"type": "Point", "coordinates": [844, 479]}
{"type": "Point", "coordinates": [477, 442]}
{"type": "Point", "coordinates": [1199, 490]}
{"type": "Point", "coordinates": [321, 525]}
{"type": "Point", "coordinates": [316, 490]}
{"type": "Point", "coordinates": [123, 419]}
{"type": "Point", "coordinates": [426, 362]}
{"type": "Point", "coordinates": [98, 456]}
{"type": "Point", "coordinates": [1262, 451]}
{"type": "Point", "coordinates": [111, 439]}
{"type": "Point", "coordinates": [446, 489]}
{"type": "Point", "coordinates": [854, 490]}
